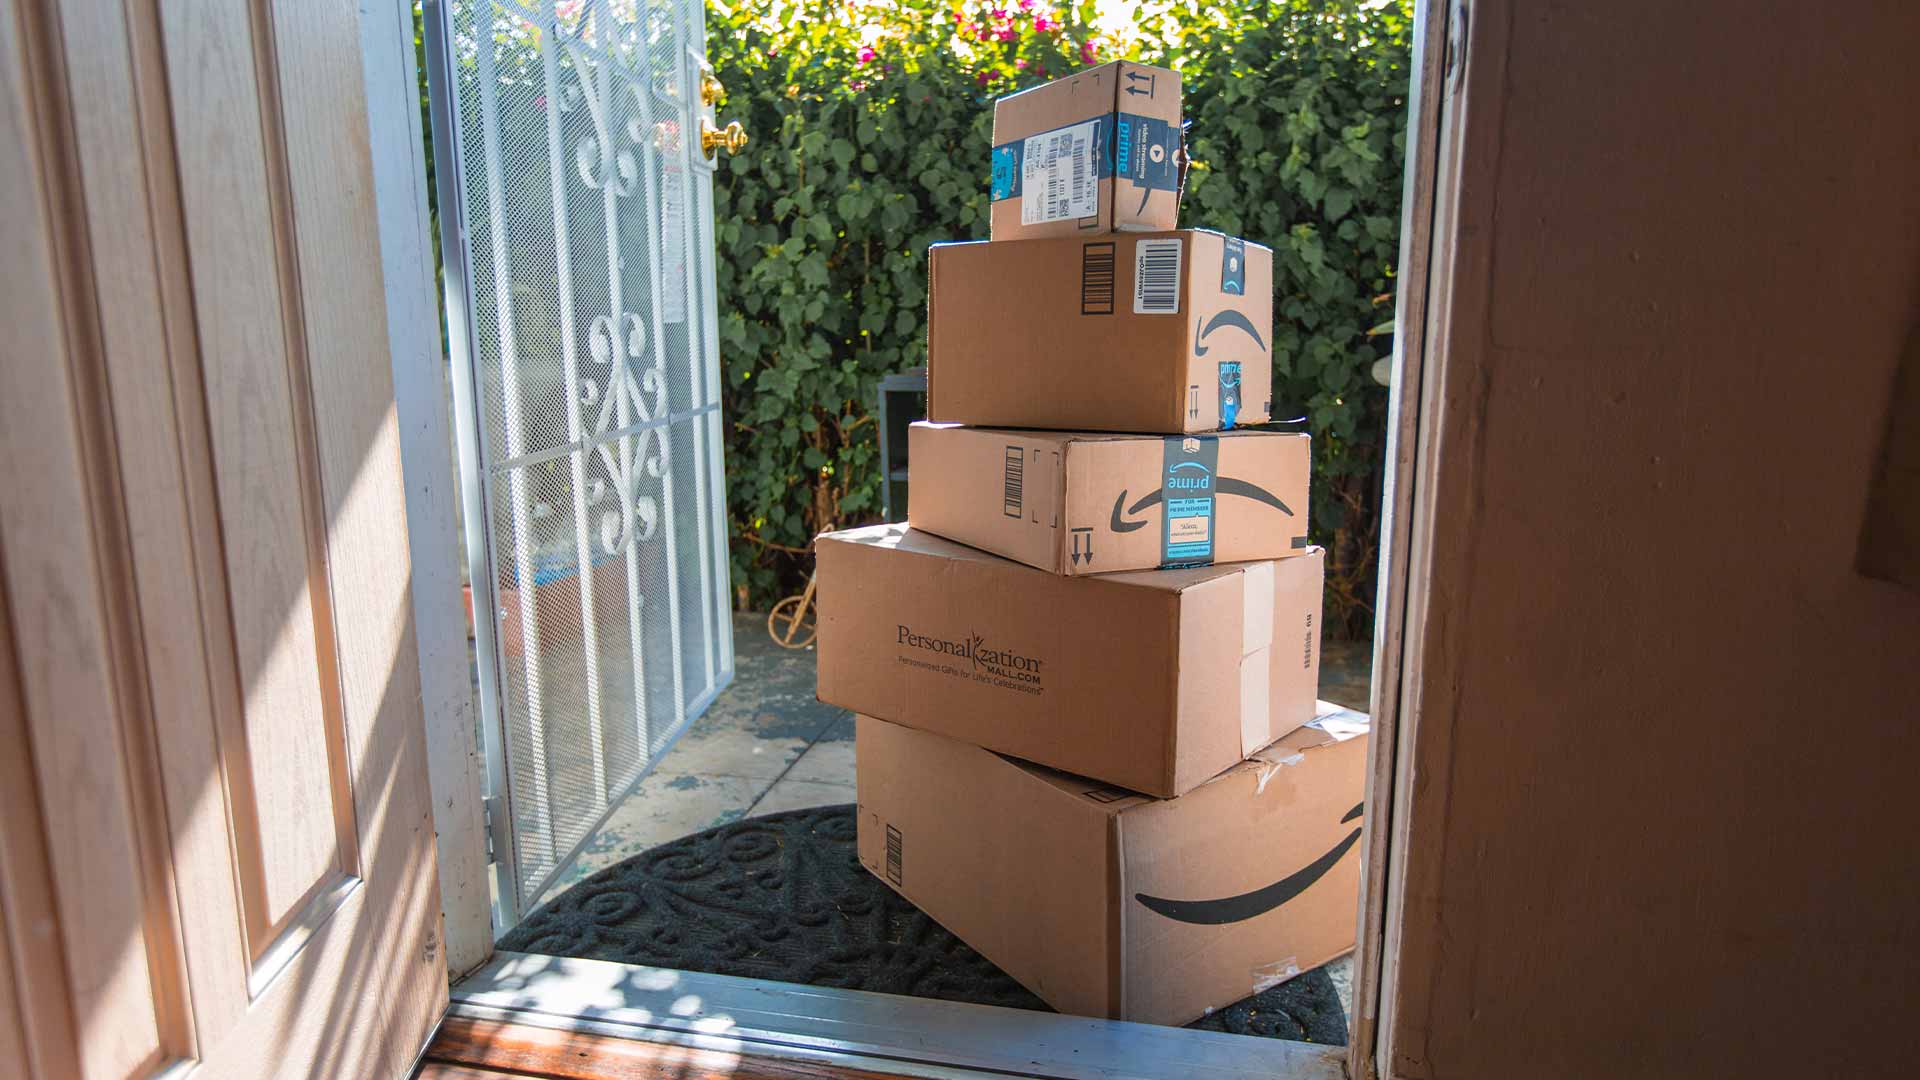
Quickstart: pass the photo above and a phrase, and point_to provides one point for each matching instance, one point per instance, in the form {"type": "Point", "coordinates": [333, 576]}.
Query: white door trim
{"type": "Point", "coordinates": [1407, 511]}
{"type": "Point", "coordinates": [420, 389]}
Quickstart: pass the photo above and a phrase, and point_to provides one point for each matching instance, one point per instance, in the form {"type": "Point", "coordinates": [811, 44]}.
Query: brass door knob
{"type": "Point", "coordinates": [733, 137]}
{"type": "Point", "coordinates": [710, 89]}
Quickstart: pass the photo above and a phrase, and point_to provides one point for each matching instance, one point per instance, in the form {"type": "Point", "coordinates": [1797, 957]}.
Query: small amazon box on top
{"type": "Point", "coordinates": [1093, 504]}
{"type": "Point", "coordinates": [1165, 333]}
{"type": "Point", "coordinates": [1096, 151]}
{"type": "Point", "coordinates": [1105, 903]}
{"type": "Point", "coordinates": [1153, 680]}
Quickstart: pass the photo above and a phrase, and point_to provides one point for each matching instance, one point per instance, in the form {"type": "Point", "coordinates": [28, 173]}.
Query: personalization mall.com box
{"type": "Point", "coordinates": [1164, 333]}
{"type": "Point", "coordinates": [1153, 680]}
{"type": "Point", "coordinates": [1079, 503]}
{"type": "Point", "coordinates": [1106, 903]}
{"type": "Point", "coordinates": [1096, 151]}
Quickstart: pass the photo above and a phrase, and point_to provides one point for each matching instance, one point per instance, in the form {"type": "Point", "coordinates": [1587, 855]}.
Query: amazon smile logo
{"type": "Point", "coordinates": [1122, 520]}
{"type": "Point", "coordinates": [1231, 909]}
{"type": "Point", "coordinates": [1225, 320]}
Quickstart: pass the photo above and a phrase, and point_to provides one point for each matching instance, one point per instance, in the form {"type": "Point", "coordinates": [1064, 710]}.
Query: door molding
{"type": "Point", "coordinates": [1406, 514]}
{"type": "Point", "coordinates": [422, 384]}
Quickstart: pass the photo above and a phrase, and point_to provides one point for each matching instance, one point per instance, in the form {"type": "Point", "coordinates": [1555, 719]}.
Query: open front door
{"type": "Point", "coordinates": [216, 851]}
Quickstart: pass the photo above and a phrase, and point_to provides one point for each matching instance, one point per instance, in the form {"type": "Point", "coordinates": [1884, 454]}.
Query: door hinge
{"type": "Point", "coordinates": [490, 812]}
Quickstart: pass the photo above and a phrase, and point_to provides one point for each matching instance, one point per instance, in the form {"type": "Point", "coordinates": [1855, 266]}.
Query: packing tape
{"type": "Point", "coordinates": [1268, 976]}
{"type": "Point", "coordinates": [1256, 709]}
{"type": "Point", "coordinates": [1269, 766]}
{"type": "Point", "coordinates": [1256, 641]}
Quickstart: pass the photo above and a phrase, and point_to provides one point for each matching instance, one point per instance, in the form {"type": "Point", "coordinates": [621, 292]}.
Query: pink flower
{"type": "Point", "coordinates": [1020, 65]}
{"type": "Point", "coordinates": [1088, 51]}
{"type": "Point", "coordinates": [867, 55]}
{"type": "Point", "coordinates": [999, 14]}
{"type": "Point", "coordinates": [1042, 24]}
{"type": "Point", "coordinates": [1009, 34]}
{"type": "Point", "coordinates": [1026, 5]}
{"type": "Point", "coordinates": [985, 77]}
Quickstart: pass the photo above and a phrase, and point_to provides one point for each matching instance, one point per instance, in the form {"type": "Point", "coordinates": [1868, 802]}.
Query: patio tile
{"type": "Point", "coordinates": [801, 794]}
{"type": "Point", "coordinates": [666, 806]}
{"type": "Point", "coordinates": [1341, 972]}
{"type": "Point", "coordinates": [840, 730]}
{"type": "Point", "coordinates": [720, 745]}
{"type": "Point", "coordinates": [824, 762]}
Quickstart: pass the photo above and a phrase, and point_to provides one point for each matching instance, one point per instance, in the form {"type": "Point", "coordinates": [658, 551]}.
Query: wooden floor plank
{"type": "Point", "coordinates": [521, 1050]}
{"type": "Point", "coordinates": [435, 1070]}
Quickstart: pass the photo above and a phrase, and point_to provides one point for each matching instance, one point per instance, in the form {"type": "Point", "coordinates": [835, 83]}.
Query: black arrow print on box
{"type": "Point", "coordinates": [1230, 909]}
{"type": "Point", "coordinates": [1088, 531]}
{"type": "Point", "coordinates": [1225, 318]}
{"type": "Point", "coordinates": [1223, 485]}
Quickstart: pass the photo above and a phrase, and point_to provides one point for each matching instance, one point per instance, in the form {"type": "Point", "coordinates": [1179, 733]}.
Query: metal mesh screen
{"type": "Point", "coordinates": [585, 214]}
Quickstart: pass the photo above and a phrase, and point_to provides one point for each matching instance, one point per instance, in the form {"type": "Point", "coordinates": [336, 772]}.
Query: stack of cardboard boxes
{"type": "Point", "coordinates": [1086, 669]}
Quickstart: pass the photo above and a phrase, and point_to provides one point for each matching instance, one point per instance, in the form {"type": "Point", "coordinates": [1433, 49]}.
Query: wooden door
{"type": "Point", "coordinates": [216, 850]}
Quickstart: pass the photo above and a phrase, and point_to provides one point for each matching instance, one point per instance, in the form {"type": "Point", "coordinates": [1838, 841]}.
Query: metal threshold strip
{"type": "Point", "coordinates": [858, 1029]}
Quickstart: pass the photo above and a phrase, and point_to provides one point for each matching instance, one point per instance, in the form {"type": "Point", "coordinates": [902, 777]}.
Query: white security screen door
{"type": "Point", "coordinates": [576, 209]}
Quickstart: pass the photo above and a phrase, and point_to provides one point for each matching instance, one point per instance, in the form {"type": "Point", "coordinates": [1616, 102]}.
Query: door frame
{"type": "Point", "coordinates": [1431, 190]}
{"type": "Point", "coordinates": [420, 389]}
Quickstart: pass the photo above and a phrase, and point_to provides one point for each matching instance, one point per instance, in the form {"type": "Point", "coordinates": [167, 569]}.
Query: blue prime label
{"type": "Point", "coordinates": [1144, 151]}
{"type": "Point", "coordinates": [1233, 266]}
{"type": "Point", "coordinates": [1006, 171]}
{"type": "Point", "coordinates": [1229, 393]}
{"type": "Point", "coordinates": [1187, 483]}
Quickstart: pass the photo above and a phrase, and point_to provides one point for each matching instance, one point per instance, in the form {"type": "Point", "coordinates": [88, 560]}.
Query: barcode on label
{"type": "Point", "coordinates": [893, 854]}
{"type": "Point", "coordinates": [1010, 499]}
{"type": "Point", "coordinates": [1156, 277]}
{"type": "Point", "coordinates": [1057, 180]}
{"type": "Point", "coordinates": [1096, 279]}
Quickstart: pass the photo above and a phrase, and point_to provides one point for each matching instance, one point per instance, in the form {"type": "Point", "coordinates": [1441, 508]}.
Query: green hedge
{"type": "Point", "coordinates": [871, 126]}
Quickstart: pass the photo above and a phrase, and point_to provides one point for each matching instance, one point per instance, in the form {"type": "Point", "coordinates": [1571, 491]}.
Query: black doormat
{"type": "Point", "coordinates": [784, 897]}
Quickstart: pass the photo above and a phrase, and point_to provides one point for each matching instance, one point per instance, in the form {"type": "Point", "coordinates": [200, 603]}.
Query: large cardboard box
{"type": "Point", "coordinates": [1096, 151]}
{"type": "Point", "coordinates": [1079, 503]}
{"type": "Point", "coordinates": [1105, 903]}
{"type": "Point", "coordinates": [1165, 333]}
{"type": "Point", "coordinates": [1153, 680]}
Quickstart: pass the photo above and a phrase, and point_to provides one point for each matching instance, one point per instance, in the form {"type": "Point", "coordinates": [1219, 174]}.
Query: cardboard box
{"type": "Point", "coordinates": [1077, 503]}
{"type": "Point", "coordinates": [1096, 151]}
{"type": "Point", "coordinates": [1153, 680]}
{"type": "Point", "coordinates": [1105, 903]}
{"type": "Point", "coordinates": [1165, 333]}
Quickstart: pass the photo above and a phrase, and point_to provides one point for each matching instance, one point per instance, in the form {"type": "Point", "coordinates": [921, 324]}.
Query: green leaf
{"type": "Point", "coordinates": [1339, 201]}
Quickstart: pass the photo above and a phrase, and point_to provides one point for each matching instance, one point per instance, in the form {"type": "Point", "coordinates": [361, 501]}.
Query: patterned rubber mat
{"type": "Point", "coordinates": [784, 897]}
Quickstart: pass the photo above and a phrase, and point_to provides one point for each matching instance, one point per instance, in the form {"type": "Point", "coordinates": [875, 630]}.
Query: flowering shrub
{"type": "Point", "coordinates": [872, 123]}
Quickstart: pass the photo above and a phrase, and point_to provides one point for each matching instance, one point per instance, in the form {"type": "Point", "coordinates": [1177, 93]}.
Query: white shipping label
{"type": "Point", "coordinates": [1057, 180]}
{"type": "Point", "coordinates": [1156, 276]}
